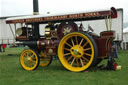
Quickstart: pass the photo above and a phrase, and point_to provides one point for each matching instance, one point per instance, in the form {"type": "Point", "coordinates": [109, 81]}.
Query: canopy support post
{"type": "Point", "coordinates": [12, 31]}
{"type": "Point", "coordinates": [108, 22]}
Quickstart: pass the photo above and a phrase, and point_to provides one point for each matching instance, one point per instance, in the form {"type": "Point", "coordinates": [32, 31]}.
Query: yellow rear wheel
{"type": "Point", "coordinates": [45, 60]}
{"type": "Point", "coordinates": [77, 51]}
{"type": "Point", "coordinates": [29, 59]}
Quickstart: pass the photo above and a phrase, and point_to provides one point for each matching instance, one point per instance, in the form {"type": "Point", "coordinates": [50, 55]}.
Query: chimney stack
{"type": "Point", "coordinates": [35, 7]}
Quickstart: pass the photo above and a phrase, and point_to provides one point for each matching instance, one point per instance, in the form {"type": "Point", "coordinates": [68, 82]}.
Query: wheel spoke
{"type": "Point", "coordinates": [85, 63]}
{"type": "Point", "coordinates": [68, 44]}
{"type": "Point", "coordinates": [25, 59]}
{"type": "Point", "coordinates": [72, 41]}
{"type": "Point", "coordinates": [77, 62]}
{"type": "Point", "coordinates": [76, 40]}
{"type": "Point", "coordinates": [28, 55]}
{"type": "Point", "coordinates": [29, 63]}
{"type": "Point", "coordinates": [72, 61]}
{"type": "Point", "coordinates": [85, 44]}
{"type": "Point", "coordinates": [81, 42]}
{"type": "Point", "coordinates": [33, 62]}
{"type": "Point", "coordinates": [67, 54]}
{"type": "Point", "coordinates": [85, 58]}
{"type": "Point", "coordinates": [87, 49]}
{"type": "Point", "coordinates": [67, 49]}
{"type": "Point", "coordinates": [32, 55]}
{"type": "Point", "coordinates": [81, 62]}
{"type": "Point", "coordinates": [69, 58]}
{"type": "Point", "coordinates": [25, 54]}
{"type": "Point", "coordinates": [87, 54]}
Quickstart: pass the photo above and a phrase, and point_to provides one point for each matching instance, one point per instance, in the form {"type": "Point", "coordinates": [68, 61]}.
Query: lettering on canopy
{"type": "Point", "coordinates": [62, 17]}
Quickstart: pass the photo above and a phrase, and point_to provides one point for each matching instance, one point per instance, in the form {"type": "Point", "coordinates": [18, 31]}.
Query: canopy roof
{"type": "Point", "coordinates": [58, 18]}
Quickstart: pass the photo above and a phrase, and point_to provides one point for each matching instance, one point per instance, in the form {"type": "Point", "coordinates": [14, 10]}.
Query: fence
{"type": "Point", "coordinates": [7, 41]}
{"type": "Point", "coordinates": [124, 45]}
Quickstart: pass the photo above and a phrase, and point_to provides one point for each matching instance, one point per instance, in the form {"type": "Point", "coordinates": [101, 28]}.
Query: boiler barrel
{"type": "Point", "coordinates": [31, 44]}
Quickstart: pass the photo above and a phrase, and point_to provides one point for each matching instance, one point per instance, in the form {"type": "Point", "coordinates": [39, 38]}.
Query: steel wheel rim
{"type": "Point", "coordinates": [29, 59]}
{"type": "Point", "coordinates": [79, 62]}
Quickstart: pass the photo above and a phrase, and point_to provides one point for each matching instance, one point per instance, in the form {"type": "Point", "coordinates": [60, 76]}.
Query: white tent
{"type": "Point", "coordinates": [6, 36]}
{"type": "Point", "coordinates": [125, 34]}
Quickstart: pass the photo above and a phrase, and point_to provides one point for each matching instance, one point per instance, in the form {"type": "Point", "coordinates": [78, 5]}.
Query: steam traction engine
{"type": "Point", "coordinates": [76, 49]}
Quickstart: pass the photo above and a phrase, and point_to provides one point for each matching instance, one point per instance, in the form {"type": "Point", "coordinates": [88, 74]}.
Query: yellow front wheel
{"type": "Point", "coordinates": [77, 51]}
{"type": "Point", "coordinates": [29, 59]}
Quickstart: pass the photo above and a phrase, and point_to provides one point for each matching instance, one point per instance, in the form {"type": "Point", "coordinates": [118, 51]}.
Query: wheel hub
{"type": "Point", "coordinates": [29, 59]}
{"type": "Point", "coordinates": [77, 51]}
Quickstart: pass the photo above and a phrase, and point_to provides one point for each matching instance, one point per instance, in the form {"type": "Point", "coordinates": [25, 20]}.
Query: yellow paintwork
{"type": "Point", "coordinates": [76, 52]}
{"type": "Point", "coordinates": [29, 59]}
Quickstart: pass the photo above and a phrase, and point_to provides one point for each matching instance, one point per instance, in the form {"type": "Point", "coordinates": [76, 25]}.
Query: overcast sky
{"type": "Point", "coordinates": [25, 7]}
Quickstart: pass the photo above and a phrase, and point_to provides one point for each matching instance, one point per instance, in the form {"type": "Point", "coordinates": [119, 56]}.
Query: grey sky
{"type": "Point", "coordinates": [25, 7]}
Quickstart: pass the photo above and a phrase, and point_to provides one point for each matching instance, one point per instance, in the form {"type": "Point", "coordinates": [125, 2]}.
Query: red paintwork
{"type": "Point", "coordinates": [113, 12]}
{"type": "Point", "coordinates": [48, 44]}
{"type": "Point", "coordinates": [53, 48]}
{"type": "Point", "coordinates": [104, 43]}
{"type": "Point", "coordinates": [20, 38]}
{"type": "Point", "coordinates": [71, 25]}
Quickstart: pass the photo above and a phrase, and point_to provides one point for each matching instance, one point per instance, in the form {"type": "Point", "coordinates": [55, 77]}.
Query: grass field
{"type": "Point", "coordinates": [11, 73]}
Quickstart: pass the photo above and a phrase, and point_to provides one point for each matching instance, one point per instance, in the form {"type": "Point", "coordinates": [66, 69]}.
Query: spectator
{"type": "Point", "coordinates": [0, 48]}
{"type": "Point", "coordinates": [3, 46]}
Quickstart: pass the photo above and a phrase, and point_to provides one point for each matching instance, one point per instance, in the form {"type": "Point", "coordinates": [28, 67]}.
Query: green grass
{"type": "Point", "coordinates": [11, 73]}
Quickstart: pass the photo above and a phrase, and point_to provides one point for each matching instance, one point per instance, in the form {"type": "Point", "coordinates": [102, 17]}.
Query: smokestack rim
{"type": "Point", "coordinates": [35, 13]}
